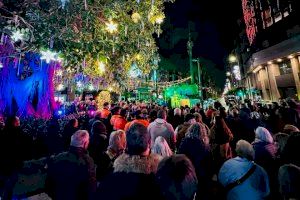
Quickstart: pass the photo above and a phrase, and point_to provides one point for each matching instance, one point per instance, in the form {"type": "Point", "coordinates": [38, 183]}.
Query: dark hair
{"type": "Point", "coordinates": [98, 128]}
{"type": "Point", "coordinates": [123, 112]}
{"type": "Point", "coordinates": [138, 139]}
{"type": "Point", "coordinates": [188, 117]}
{"type": "Point", "coordinates": [72, 122]}
{"type": "Point", "coordinates": [115, 110]}
{"type": "Point", "coordinates": [105, 104]}
{"type": "Point", "coordinates": [161, 114]}
{"type": "Point", "coordinates": [177, 172]}
{"type": "Point", "coordinates": [291, 149]}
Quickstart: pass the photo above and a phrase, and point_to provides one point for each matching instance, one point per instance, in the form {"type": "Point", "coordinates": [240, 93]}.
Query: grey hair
{"type": "Point", "coordinates": [114, 137]}
{"type": "Point", "coordinates": [177, 111]}
{"type": "Point", "coordinates": [245, 150]}
{"type": "Point", "coordinates": [80, 138]}
{"type": "Point", "coordinates": [161, 147]}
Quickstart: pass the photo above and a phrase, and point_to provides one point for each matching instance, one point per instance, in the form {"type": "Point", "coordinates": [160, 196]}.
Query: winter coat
{"type": "Point", "coordinates": [176, 121]}
{"type": "Point", "coordinates": [133, 179]}
{"type": "Point", "coordinates": [255, 187]}
{"type": "Point", "coordinates": [181, 131]}
{"type": "Point", "coordinates": [118, 122]}
{"type": "Point", "coordinates": [201, 157]}
{"type": "Point", "coordinates": [162, 128]}
{"type": "Point", "coordinates": [289, 181]}
{"type": "Point", "coordinates": [71, 175]}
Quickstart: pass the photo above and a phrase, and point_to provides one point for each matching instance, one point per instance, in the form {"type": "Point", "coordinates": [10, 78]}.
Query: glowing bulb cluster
{"type": "Point", "coordinates": [17, 36]}
{"type": "Point", "coordinates": [101, 67]}
{"type": "Point", "coordinates": [49, 56]}
{"type": "Point", "coordinates": [111, 27]}
{"type": "Point", "coordinates": [60, 87]}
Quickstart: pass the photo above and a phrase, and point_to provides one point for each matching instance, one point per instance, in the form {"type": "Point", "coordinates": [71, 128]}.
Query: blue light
{"type": "Point", "coordinates": [60, 112]}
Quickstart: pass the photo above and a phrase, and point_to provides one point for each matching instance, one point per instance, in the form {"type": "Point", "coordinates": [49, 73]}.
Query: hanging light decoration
{"type": "Point", "coordinates": [79, 84]}
{"type": "Point", "coordinates": [1, 65]}
{"type": "Point", "coordinates": [48, 56]}
{"type": "Point", "coordinates": [59, 72]}
{"type": "Point", "coordinates": [91, 87]}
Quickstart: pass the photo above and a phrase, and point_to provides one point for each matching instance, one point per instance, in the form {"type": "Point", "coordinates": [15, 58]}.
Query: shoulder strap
{"type": "Point", "coordinates": [241, 180]}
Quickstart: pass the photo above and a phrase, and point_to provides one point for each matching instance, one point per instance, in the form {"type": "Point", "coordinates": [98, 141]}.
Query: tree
{"type": "Point", "coordinates": [100, 38]}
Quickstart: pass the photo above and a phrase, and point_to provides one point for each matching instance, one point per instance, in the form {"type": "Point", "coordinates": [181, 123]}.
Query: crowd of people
{"type": "Point", "coordinates": [146, 151]}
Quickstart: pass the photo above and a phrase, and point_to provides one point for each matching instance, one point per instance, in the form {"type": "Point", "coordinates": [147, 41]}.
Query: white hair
{"type": "Point", "coordinates": [161, 147]}
{"type": "Point", "coordinates": [115, 136]}
{"type": "Point", "coordinates": [177, 111]}
{"type": "Point", "coordinates": [245, 150]}
{"type": "Point", "coordinates": [80, 138]}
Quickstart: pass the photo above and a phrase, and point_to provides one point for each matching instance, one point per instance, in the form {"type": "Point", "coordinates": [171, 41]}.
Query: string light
{"type": "Point", "coordinates": [60, 87]}
{"type": "Point", "coordinates": [91, 87]}
{"type": "Point", "coordinates": [17, 36]}
{"type": "Point", "coordinates": [79, 84]}
{"type": "Point", "coordinates": [59, 72]}
{"type": "Point", "coordinates": [111, 27]}
{"type": "Point", "coordinates": [101, 67]}
{"type": "Point", "coordinates": [1, 65]}
{"type": "Point", "coordinates": [159, 20]}
{"type": "Point", "coordinates": [48, 56]}
{"type": "Point", "coordinates": [110, 89]}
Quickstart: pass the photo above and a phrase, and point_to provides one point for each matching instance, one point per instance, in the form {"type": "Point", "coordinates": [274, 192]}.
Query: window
{"type": "Point", "coordinates": [285, 67]}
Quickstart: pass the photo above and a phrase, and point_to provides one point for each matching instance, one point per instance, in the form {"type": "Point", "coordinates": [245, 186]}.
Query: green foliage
{"type": "Point", "coordinates": [79, 32]}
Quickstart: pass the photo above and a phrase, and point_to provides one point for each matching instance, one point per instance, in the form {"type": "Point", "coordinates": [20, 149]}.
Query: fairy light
{"type": "Point", "coordinates": [101, 67]}
{"type": "Point", "coordinates": [17, 36]}
{"type": "Point", "coordinates": [111, 27]}
{"type": "Point", "coordinates": [48, 56]}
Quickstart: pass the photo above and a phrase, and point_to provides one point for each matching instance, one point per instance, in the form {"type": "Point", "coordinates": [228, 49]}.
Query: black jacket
{"type": "Point", "coordinates": [71, 175]}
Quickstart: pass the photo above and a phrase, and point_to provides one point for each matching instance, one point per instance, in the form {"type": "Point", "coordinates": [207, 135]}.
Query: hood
{"type": "Point", "coordinates": [137, 164]}
{"type": "Point", "coordinates": [159, 122]}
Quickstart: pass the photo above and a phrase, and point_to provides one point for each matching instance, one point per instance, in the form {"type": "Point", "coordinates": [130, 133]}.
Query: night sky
{"type": "Point", "coordinates": [213, 24]}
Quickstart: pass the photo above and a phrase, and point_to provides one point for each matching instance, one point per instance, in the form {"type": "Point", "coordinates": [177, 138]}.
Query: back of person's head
{"type": "Point", "coordinates": [98, 115]}
{"type": "Point", "coordinates": [161, 147]}
{"type": "Point", "coordinates": [262, 134]}
{"type": "Point", "coordinates": [138, 139]}
{"type": "Point", "coordinates": [123, 112]}
{"type": "Point", "coordinates": [117, 141]}
{"type": "Point", "coordinates": [80, 139]}
{"type": "Point", "coordinates": [73, 123]}
{"type": "Point", "coordinates": [116, 110]}
{"type": "Point", "coordinates": [105, 104]}
{"type": "Point", "coordinates": [153, 114]}
{"type": "Point", "coordinates": [288, 129]}
{"type": "Point", "coordinates": [291, 149]}
{"type": "Point", "coordinates": [162, 114]}
{"type": "Point", "coordinates": [189, 117]}
{"type": "Point", "coordinates": [244, 150]}
{"type": "Point", "coordinates": [281, 140]}
{"type": "Point", "coordinates": [177, 111]}
{"type": "Point", "coordinates": [177, 178]}
{"type": "Point", "coordinates": [194, 131]}
{"type": "Point", "coordinates": [198, 117]}
{"type": "Point", "coordinates": [98, 128]}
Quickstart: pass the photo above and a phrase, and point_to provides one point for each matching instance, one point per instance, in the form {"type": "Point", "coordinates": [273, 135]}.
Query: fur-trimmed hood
{"type": "Point", "coordinates": [137, 164]}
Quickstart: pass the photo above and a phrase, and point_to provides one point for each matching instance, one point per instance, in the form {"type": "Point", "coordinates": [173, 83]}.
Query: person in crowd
{"type": "Point", "coordinates": [198, 118]}
{"type": "Point", "coordinates": [120, 121]}
{"type": "Point", "coordinates": [133, 170]}
{"type": "Point", "coordinates": [161, 147]}
{"type": "Point", "coordinates": [194, 146]}
{"type": "Point", "coordinates": [98, 140]}
{"type": "Point", "coordinates": [264, 147]}
{"type": "Point", "coordinates": [280, 140]}
{"type": "Point", "coordinates": [72, 174]}
{"type": "Point", "coordinates": [176, 178]}
{"type": "Point", "coordinates": [105, 112]}
{"type": "Point", "coordinates": [289, 173]}
{"type": "Point", "coordinates": [177, 119]}
{"type": "Point", "coordinates": [210, 112]}
{"type": "Point", "coordinates": [160, 127]}
{"type": "Point", "coordinates": [70, 128]}
{"type": "Point", "coordinates": [289, 129]}
{"type": "Point", "coordinates": [241, 177]}
{"type": "Point", "coordinates": [138, 119]}
{"type": "Point", "coordinates": [181, 130]}
{"type": "Point", "coordinates": [220, 137]}
{"type": "Point", "coordinates": [117, 146]}
{"type": "Point", "coordinates": [152, 116]}
{"type": "Point", "coordinates": [97, 117]}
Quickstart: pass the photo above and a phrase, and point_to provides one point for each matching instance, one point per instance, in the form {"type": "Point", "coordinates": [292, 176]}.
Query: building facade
{"type": "Point", "coordinates": [270, 55]}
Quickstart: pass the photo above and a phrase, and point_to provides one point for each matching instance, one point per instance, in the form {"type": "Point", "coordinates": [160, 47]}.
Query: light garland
{"type": "Point", "coordinates": [48, 56]}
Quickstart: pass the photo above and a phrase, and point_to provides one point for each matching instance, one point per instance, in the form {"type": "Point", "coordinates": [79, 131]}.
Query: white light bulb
{"type": "Point", "coordinates": [48, 56]}
{"type": "Point", "coordinates": [17, 36]}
